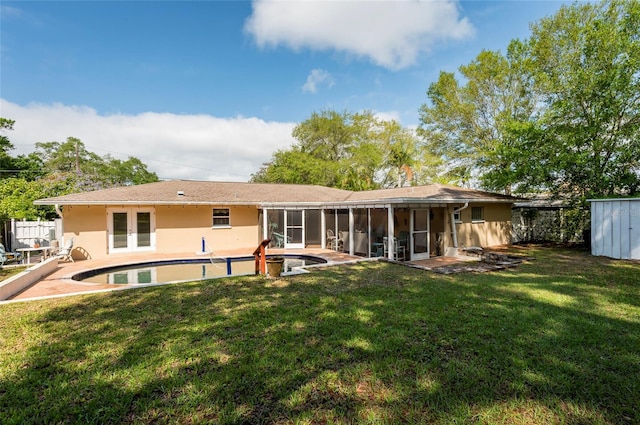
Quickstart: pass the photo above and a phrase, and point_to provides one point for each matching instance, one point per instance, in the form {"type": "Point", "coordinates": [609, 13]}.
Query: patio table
{"type": "Point", "coordinates": [46, 250]}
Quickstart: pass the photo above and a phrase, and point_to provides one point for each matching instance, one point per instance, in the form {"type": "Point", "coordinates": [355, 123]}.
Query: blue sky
{"type": "Point", "coordinates": [209, 89]}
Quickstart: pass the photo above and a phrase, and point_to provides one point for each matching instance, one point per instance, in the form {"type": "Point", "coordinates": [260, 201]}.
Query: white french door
{"type": "Point", "coordinates": [294, 229]}
{"type": "Point", "coordinates": [419, 234]}
{"type": "Point", "coordinates": [131, 229]}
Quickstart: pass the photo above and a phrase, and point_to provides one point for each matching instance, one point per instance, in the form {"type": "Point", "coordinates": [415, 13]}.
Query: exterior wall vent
{"type": "Point", "coordinates": [180, 193]}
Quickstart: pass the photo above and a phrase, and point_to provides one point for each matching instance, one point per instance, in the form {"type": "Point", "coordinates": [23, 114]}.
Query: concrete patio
{"type": "Point", "coordinates": [59, 283]}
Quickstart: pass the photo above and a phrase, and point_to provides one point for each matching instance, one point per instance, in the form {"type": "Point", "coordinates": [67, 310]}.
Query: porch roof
{"type": "Point", "coordinates": [189, 192]}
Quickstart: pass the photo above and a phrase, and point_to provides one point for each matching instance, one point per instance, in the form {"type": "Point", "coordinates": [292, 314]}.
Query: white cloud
{"type": "Point", "coordinates": [196, 147]}
{"type": "Point", "coordinates": [390, 33]}
{"type": "Point", "coordinates": [387, 115]}
{"type": "Point", "coordinates": [315, 78]}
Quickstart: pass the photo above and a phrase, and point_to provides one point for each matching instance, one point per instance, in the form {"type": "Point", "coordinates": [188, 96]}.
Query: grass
{"type": "Point", "coordinates": [556, 340]}
{"type": "Point", "coordinates": [7, 272]}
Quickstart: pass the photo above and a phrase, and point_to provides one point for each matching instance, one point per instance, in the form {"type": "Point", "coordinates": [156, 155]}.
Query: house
{"type": "Point", "coordinates": [185, 216]}
{"type": "Point", "coordinates": [615, 228]}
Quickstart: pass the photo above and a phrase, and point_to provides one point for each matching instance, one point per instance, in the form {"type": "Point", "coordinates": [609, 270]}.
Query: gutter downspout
{"type": "Point", "coordinates": [453, 252]}
{"type": "Point", "coordinates": [59, 238]}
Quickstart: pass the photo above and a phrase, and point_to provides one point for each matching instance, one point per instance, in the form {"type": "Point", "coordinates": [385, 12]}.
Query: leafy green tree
{"type": "Point", "coordinates": [69, 156]}
{"type": "Point", "coordinates": [586, 61]}
{"type": "Point", "coordinates": [57, 169]}
{"type": "Point", "coordinates": [85, 170]}
{"type": "Point", "coordinates": [353, 151]}
{"type": "Point", "coordinates": [5, 144]}
{"type": "Point", "coordinates": [295, 167]}
{"type": "Point", "coordinates": [17, 196]}
{"type": "Point", "coordinates": [333, 149]}
{"type": "Point", "coordinates": [559, 113]}
{"type": "Point", "coordinates": [29, 166]}
{"type": "Point", "coordinates": [402, 153]}
{"type": "Point", "coordinates": [468, 125]}
{"type": "Point", "coordinates": [126, 173]}
{"type": "Point", "coordinates": [6, 162]}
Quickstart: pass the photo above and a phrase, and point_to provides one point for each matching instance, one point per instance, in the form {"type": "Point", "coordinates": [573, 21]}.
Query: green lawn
{"type": "Point", "coordinates": [556, 340]}
{"type": "Point", "coordinates": [7, 271]}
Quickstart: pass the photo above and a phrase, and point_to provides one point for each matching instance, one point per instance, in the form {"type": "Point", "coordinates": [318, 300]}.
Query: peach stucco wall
{"type": "Point", "coordinates": [178, 229]}
{"type": "Point", "coordinates": [88, 225]}
{"type": "Point", "coordinates": [494, 230]}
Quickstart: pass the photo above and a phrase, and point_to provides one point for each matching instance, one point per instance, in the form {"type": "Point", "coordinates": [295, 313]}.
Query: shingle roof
{"type": "Point", "coordinates": [185, 192]}
{"type": "Point", "coordinates": [439, 192]}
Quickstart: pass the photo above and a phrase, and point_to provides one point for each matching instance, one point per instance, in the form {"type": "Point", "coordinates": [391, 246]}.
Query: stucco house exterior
{"type": "Point", "coordinates": [180, 216]}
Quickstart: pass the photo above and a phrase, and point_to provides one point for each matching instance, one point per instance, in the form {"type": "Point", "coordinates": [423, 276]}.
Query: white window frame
{"type": "Point", "coordinates": [214, 217]}
{"type": "Point", "coordinates": [132, 231]}
{"type": "Point", "coordinates": [457, 217]}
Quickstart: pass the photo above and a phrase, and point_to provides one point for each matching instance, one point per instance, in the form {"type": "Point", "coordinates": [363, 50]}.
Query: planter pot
{"type": "Point", "coordinates": [275, 266]}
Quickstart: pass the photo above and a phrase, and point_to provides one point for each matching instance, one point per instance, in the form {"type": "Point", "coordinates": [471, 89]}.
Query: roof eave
{"type": "Point", "coordinates": [110, 203]}
{"type": "Point", "coordinates": [381, 202]}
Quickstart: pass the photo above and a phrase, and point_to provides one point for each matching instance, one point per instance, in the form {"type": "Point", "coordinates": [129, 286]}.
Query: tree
{"type": "Point", "coordinates": [29, 167]}
{"type": "Point", "coordinates": [127, 173]}
{"type": "Point", "coordinates": [17, 196]}
{"type": "Point", "coordinates": [559, 113]}
{"type": "Point", "coordinates": [70, 156]}
{"type": "Point", "coordinates": [333, 149]}
{"type": "Point", "coordinates": [5, 144]}
{"type": "Point", "coordinates": [353, 151]}
{"type": "Point", "coordinates": [296, 167]}
{"type": "Point", "coordinates": [85, 170]}
{"type": "Point", "coordinates": [400, 148]}
{"type": "Point", "coordinates": [6, 162]}
{"type": "Point", "coordinates": [468, 125]}
{"type": "Point", "coordinates": [586, 60]}
{"type": "Point", "coordinates": [57, 169]}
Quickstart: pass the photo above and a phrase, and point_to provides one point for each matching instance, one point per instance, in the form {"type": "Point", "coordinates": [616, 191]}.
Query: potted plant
{"type": "Point", "coordinates": [275, 266]}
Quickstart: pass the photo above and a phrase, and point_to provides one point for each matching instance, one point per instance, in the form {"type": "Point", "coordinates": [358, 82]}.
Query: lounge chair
{"type": "Point", "coordinates": [8, 256]}
{"type": "Point", "coordinates": [64, 254]}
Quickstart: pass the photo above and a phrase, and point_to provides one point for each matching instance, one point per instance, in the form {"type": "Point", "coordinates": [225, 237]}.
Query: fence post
{"type": "Point", "coordinates": [13, 234]}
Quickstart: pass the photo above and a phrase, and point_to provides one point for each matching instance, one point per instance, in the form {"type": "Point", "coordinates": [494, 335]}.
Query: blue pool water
{"type": "Point", "coordinates": [184, 270]}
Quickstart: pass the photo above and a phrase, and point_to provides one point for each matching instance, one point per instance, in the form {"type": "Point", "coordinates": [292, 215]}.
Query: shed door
{"type": "Point", "coordinates": [634, 230]}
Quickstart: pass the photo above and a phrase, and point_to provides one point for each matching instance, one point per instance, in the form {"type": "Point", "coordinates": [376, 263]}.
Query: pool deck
{"type": "Point", "coordinates": [59, 283]}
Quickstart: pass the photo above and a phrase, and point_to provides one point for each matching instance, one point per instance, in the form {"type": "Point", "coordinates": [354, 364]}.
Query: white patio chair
{"type": "Point", "coordinates": [64, 254]}
{"type": "Point", "coordinates": [398, 250]}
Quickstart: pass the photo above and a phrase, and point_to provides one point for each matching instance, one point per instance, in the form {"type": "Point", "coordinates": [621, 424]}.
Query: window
{"type": "Point", "coordinates": [221, 217]}
{"type": "Point", "coordinates": [456, 217]}
{"type": "Point", "coordinates": [477, 214]}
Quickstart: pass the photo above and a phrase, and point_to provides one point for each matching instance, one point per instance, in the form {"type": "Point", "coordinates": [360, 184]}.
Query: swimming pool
{"type": "Point", "coordinates": [185, 270]}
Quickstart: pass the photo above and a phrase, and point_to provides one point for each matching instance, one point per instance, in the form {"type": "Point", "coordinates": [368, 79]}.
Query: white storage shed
{"type": "Point", "coordinates": [615, 228]}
